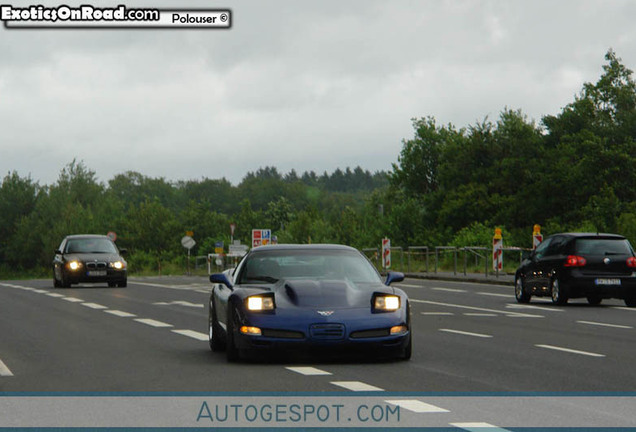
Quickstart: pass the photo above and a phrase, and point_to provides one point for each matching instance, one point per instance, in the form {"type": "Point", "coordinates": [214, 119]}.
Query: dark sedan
{"type": "Point", "coordinates": [575, 265]}
{"type": "Point", "coordinates": [89, 258]}
{"type": "Point", "coordinates": [323, 298]}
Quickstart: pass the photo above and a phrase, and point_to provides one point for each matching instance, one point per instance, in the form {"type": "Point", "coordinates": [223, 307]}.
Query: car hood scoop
{"type": "Point", "coordinates": [326, 293]}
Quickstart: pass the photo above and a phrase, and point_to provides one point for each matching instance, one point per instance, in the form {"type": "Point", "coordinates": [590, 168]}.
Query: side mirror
{"type": "Point", "coordinates": [220, 278]}
{"type": "Point", "coordinates": [123, 251]}
{"type": "Point", "coordinates": [393, 277]}
{"type": "Point", "coordinates": [58, 252]}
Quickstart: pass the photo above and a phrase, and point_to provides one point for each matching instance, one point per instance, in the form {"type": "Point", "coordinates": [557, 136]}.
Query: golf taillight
{"type": "Point", "coordinates": [574, 261]}
{"type": "Point", "coordinates": [631, 262]}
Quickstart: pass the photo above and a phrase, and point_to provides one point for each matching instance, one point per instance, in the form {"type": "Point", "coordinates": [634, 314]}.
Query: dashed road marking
{"type": "Point", "coordinates": [569, 350]}
{"type": "Point", "coordinates": [4, 370]}
{"type": "Point", "coordinates": [307, 370]}
{"type": "Point", "coordinates": [624, 308]}
{"type": "Point", "coordinates": [192, 334]}
{"type": "Point", "coordinates": [120, 313]}
{"type": "Point", "coordinates": [543, 308]}
{"type": "Point", "coordinates": [356, 386]}
{"type": "Point", "coordinates": [479, 314]}
{"type": "Point", "coordinates": [454, 290]}
{"type": "Point", "coordinates": [73, 299]}
{"type": "Point", "coordinates": [417, 406]}
{"type": "Point", "coordinates": [605, 324]}
{"type": "Point", "coordinates": [466, 333]}
{"type": "Point", "coordinates": [410, 286]}
{"type": "Point", "coordinates": [39, 291]}
{"type": "Point", "coordinates": [179, 303]}
{"type": "Point", "coordinates": [508, 313]}
{"type": "Point", "coordinates": [94, 306]}
{"type": "Point", "coordinates": [153, 323]}
{"type": "Point", "coordinates": [55, 295]}
{"type": "Point", "coordinates": [495, 294]}
{"type": "Point", "coordinates": [438, 313]}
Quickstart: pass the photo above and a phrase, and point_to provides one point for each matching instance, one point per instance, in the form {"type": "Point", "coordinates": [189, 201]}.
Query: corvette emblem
{"type": "Point", "coordinates": [606, 260]}
{"type": "Point", "coordinates": [325, 313]}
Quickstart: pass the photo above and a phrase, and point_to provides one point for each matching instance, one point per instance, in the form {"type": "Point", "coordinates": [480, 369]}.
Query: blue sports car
{"type": "Point", "coordinates": [324, 297]}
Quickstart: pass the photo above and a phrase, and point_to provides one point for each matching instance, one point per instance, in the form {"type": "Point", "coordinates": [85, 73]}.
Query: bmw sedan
{"type": "Point", "coordinates": [575, 265]}
{"type": "Point", "coordinates": [89, 258]}
{"type": "Point", "coordinates": [312, 297]}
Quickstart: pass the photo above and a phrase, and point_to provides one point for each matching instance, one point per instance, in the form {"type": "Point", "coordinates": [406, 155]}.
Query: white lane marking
{"type": "Point", "coordinates": [543, 308]}
{"type": "Point", "coordinates": [466, 333]}
{"type": "Point", "coordinates": [55, 295]}
{"type": "Point", "coordinates": [179, 303]}
{"type": "Point", "coordinates": [508, 313]}
{"type": "Point", "coordinates": [307, 370]}
{"type": "Point", "coordinates": [479, 314]}
{"type": "Point", "coordinates": [94, 306]}
{"type": "Point", "coordinates": [455, 290]}
{"type": "Point", "coordinates": [39, 291]}
{"type": "Point", "coordinates": [438, 313]}
{"type": "Point", "coordinates": [605, 324]}
{"type": "Point", "coordinates": [73, 299]}
{"type": "Point", "coordinates": [478, 427]}
{"type": "Point", "coordinates": [356, 386]}
{"type": "Point", "coordinates": [409, 285]}
{"type": "Point", "coordinates": [120, 313]}
{"type": "Point", "coordinates": [204, 291]}
{"type": "Point", "coordinates": [4, 370]}
{"type": "Point", "coordinates": [193, 334]}
{"type": "Point", "coordinates": [572, 351]}
{"type": "Point", "coordinates": [495, 294]}
{"type": "Point", "coordinates": [416, 406]}
{"type": "Point", "coordinates": [153, 323]}
{"type": "Point", "coordinates": [624, 308]}
{"type": "Point", "coordinates": [189, 287]}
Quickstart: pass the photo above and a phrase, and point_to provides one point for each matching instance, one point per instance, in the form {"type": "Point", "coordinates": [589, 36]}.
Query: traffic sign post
{"type": "Point", "coordinates": [188, 243]}
{"type": "Point", "coordinates": [232, 228]}
{"type": "Point", "coordinates": [537, 237]}
{"type": "Point", "coordinates": [386, 253]}
{"type": "Point", "coordinates": [497, 251]}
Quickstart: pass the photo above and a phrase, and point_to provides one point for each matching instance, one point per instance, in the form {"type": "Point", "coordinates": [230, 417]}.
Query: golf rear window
{"type": "Point", "coordinates": [592, 246]}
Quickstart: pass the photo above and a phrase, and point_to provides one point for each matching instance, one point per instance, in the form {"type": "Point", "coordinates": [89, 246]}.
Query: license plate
{"type": "Point", "coordinates": [607, 281]}
{"type": "Point", "coordinates": [97, 273]}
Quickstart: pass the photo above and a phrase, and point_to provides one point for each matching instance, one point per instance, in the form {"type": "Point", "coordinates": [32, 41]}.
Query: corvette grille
{"type": "Point", "coordinates": [327, 331]}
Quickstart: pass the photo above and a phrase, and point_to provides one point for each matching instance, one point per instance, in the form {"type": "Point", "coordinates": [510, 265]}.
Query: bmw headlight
{"type": "Point", "coordinates": [260, 303]}
{"type": "Point", "coordinates": [386, 303]}
{"type": "Point", "coordinates": [74, 265]}
{"type": "Point", "coordinates": [118, 265]}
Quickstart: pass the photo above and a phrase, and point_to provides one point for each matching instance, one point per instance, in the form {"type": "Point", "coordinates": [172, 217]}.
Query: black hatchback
{"type": "Point", "coordinates": [575, 265]}
{"type": "Point", "coordinates": [89, 258]}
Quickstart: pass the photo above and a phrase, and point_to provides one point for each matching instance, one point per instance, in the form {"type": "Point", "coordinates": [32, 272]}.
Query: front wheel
{"type": "Point", "coordinates": [213, 331]}
{"type": "Point", "coordinates": [630, 301]}
{"type": "Point", "coordinates": [231, 351]}
{"type": "Point", "coordinates": [406, 353]}
{"type": "Point", "coordinates": [559, 295]}
{"type": "Point", "coordinates": [520, 293]}
{"type": "Point", "coordinates": [594, 300]}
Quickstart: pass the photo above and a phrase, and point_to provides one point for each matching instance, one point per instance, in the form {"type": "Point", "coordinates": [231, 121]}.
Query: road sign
{"type": "Point", "coordinates": [188, 242]}
{"type": "Point", "coordinates": [218, 247]}
{"type": "Point", "coordinates": [232, 228]}
{"type": "Point", "coordinates": [386, 253]}
{"type": "Point", "coordinates": [261, 237]}
{"type": "Point", "coordinates": [190, 233]}
{"type": "Point", "coordinates": [537, 237]}
{"type": "Point", "coordinates": [112, 235]}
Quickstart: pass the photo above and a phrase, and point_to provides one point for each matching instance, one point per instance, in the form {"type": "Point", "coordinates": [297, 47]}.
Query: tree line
{"type": "Point", "coordinates": [573, 171]}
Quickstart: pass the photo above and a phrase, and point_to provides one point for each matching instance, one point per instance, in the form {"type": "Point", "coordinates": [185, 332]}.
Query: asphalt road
{"type": "Point", "coordinates": [468, 337]}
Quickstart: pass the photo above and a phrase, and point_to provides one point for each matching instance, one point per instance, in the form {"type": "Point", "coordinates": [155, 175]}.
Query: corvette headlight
{"type": "Point", "coordinates": [386, 303]}
{"type": "Point", "coordinates": [260, 303]}
{"type": "Point", "coordinates": [74, 265]}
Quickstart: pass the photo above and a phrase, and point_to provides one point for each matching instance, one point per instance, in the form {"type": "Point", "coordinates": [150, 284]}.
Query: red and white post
{"type": "Point", "coordinates": [386, 253]}
{"type": "Point", "coordinates": [537, 237]}
{"type": "Point", "coordinates": [497, 251]}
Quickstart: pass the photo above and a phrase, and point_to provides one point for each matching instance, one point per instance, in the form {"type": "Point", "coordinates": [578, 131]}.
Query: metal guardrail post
{"type": "Point", "coordinates": [436, 258]}
{"type": "Point", "coordinates": [465, 260]}
{"type": "Point", "coordinates": [455, 261]}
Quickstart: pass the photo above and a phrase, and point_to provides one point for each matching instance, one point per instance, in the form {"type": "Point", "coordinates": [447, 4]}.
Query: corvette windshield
{"type": "Point", "coordinates": [270, 266]}
{"type": "Point", "coordinates": [90, 245]}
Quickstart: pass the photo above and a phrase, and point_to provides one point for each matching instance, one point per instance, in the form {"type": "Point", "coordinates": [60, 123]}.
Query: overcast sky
{"type": "Point", "coordinates": [308, 85]}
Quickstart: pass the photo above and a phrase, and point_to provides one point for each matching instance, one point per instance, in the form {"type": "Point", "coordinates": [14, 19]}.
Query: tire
{"type": "Point", "coordinates": [112, 284]}
{"type": "Point", "coordinates": [123, 284]}
{"type": "Point", "coordinates": [56, 283]}
{"type": "Point", "coordinates": [630, 301]}
{"type": "Point", "coordinates": [559, 294]}
{"type": "Point", "coordinates": [520, 292]}
{"type": "Point", "coordinates": [231, 351]}
{"type": "Point", "coordinates": [214, 331]}
{"type": "Point", "coordinates": [64, 283]}
{"type": "Point", "coordinates": [407, 351]}
{"type": "Point", "coordinates": [594, 300]}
